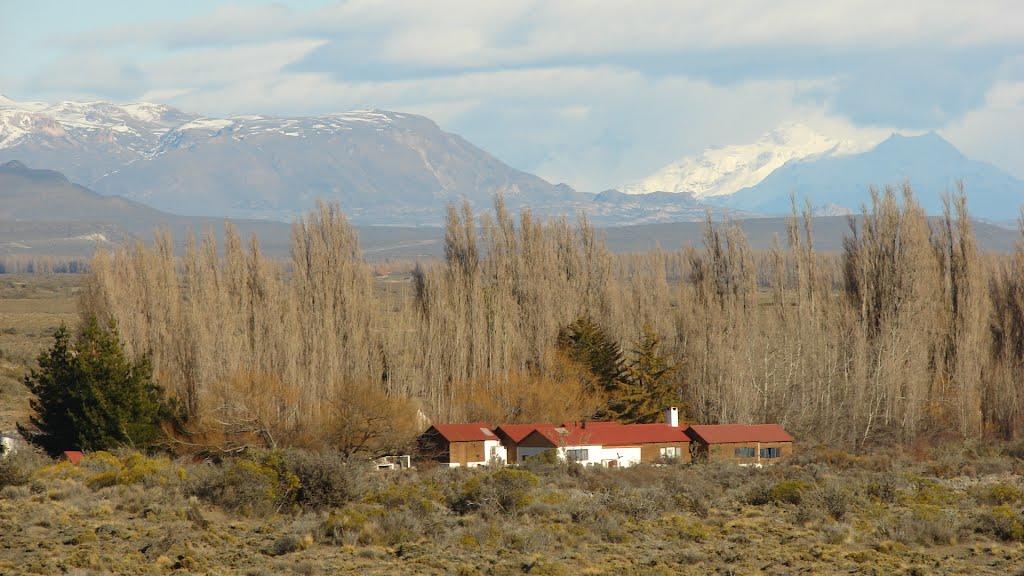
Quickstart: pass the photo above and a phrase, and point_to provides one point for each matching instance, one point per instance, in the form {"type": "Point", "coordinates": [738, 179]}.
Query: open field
{"type": "Point", "coordinates": [31, 308]}
{"type": "Point", "coordinates": [823, 512]}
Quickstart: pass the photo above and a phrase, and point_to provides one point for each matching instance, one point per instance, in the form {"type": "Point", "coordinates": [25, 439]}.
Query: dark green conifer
{"type": "Point", "coordinates": [88, 395]}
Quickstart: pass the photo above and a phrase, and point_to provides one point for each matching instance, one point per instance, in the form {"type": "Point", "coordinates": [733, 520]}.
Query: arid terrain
{"type": "Point", "coordinates": [940, 509]}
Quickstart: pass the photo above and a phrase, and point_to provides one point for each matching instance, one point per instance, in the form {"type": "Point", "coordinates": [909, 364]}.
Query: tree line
{"type": "Point", "coordinates": [909, 332]}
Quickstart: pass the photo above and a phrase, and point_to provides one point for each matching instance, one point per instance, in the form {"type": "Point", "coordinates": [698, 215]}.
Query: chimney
{"type": "Point", "coordinates": [672, 416]}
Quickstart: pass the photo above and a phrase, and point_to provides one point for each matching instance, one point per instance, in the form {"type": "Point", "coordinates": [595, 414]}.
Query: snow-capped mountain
{"type": "Point", "coordinates": [83, 139]}
{"type": "Point", "coordinates": [724, 170]}
{"type": "Point", "coordinates": [930, 164]}
{"type": "Point", "coordinates": [384, 167]}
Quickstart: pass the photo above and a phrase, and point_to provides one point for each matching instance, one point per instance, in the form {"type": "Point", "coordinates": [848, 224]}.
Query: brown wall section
{"type": "Point", "coordinates": [432, 446]}
{"type": "Point", "coordinates": [463, 453]}
{"type": "Point", "coordinates": [652, 452]}
{"type": "Point", "coordinates": [727, 452]}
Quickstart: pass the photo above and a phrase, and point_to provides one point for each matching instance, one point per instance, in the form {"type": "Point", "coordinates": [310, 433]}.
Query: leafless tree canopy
{"type": "Point", "coordinates": [909, 332]}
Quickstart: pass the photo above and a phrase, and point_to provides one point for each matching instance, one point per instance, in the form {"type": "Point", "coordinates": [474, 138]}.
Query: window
{"type": "Point", "coordinates": [745, 452]}
{"type": "Point", "coordinates": [577, 455]}
{"type": "Point", "coordinates": [670, 452]}
{"type": "Point", "coordinates": [770, 453]}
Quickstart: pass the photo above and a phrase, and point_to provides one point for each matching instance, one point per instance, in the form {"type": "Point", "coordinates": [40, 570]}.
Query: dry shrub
{"type": "Point", "coordinates": [256, 410]}
{"type": "Point", "coordinates": [361, 419]}
{"type": "Point", "coordinates": [327, 479]}
{"type": "Point", "coordinates": [254, 486]}
{"type": "Point", "coordinates": [1003, 522]}
{"type": "Point", "coordinates": [505, 491]}
{"type": "Point", "coordinates": [18, 468]}
{"type": "Point", "coordinates": [563, 392]}
{"type": "Point", "coordinates": [784, 492]}
{"type": "Point", "coordinates": [999, 493]}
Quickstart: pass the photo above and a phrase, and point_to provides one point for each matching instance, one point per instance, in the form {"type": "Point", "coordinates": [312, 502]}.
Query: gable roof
{"type": "Point", "coordinates": [517, 432]}
{"type": "Point", "coordinates": [610, 434]}
{"type": "Point", "coordinates": [738, 433]}
{"type": "Point", "coordinates": [472, 432]}
{"type": "Point", "coordinates": [73, 456]}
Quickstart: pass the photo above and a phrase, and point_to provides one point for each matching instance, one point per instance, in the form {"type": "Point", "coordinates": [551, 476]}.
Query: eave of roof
{"type": "Point", "coordinates": [469, 432]}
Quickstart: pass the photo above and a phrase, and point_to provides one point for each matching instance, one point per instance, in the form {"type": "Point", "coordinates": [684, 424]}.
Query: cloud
{"type": "Point", "coordinates": [591, 92]}
{"type": "Point", "coordinates": [993, 131]}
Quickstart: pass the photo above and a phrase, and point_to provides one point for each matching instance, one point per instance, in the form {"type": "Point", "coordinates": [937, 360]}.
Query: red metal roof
{"type": "Point", "coordinates": [516, 432]}
{"type": "Point", "coordinates": [73, 456]}
{"type": "Point", "coordinates": [472, 432]}
{"type": "Point", "coordinates": [611, 434]}
{"type": "Point", "coordinates": [738, 433]}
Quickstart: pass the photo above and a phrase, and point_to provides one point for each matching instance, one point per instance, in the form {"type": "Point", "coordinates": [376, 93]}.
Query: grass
{"type": "Point", "coordinates": [135, 514]}
{"type": "Point", "coordinates": [822, 512]}
{"type": "Point", "coordinates": [31, 308]}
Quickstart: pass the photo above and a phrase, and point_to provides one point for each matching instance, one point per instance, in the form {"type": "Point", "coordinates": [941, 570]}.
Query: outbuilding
{"type": "Point", "coordinates": [746, 444]}
{"type": "Point", "coordinates": [462, 445]}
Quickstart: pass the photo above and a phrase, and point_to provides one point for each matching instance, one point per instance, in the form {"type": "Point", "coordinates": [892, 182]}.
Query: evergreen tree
{"type": "Point", "coordinates": [648, 387]}
{"type": "Point", "coordinates": [89, 396]}
{"type": "Point", "coordinates": [585, 342]}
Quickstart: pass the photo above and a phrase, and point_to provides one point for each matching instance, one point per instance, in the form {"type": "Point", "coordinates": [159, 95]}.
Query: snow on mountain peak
{"type": "Point", "coordinates": [727, 169]}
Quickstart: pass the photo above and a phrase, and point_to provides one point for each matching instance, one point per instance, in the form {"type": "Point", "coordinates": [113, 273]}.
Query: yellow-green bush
{"type": "Point", "coordinates": [783, 492]}
{"type": "Point", "coordinates": [353, 524]}
{"type": "Point", "coordinates": [106, 469]}
{"type": "Point", "coordinates": [1000, 493]}
{"type": "Point", "coordinates": [255, 485]}
{"type": "Point", "coordinates": [686, 528]}
{"type": "Point", "coordinates": [1003, 522]}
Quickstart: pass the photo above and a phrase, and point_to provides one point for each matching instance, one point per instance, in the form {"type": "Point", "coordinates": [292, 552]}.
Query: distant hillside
{"type": "Point", "coordinates": [47, 196]}
{"type": "Point", "coordinates": [383, 167]}
{"type": "Point", "coordinates": [41, 212]}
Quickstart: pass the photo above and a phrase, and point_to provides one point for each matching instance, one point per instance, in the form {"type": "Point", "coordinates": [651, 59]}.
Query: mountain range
{"type": "Point", "coordinates": [392, 168]}
{"type": "Point", "coordinates": [43, 214]}
{"type": "Point", "coordinates": [834, 175]}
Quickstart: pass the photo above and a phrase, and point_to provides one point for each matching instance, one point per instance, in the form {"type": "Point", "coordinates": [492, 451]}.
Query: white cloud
{"type": "Point", "coordinates": [562, 88]}
{"type": "Point", "coordinates": [994, 131]}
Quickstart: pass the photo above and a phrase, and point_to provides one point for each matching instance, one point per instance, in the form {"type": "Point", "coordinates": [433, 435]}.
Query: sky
{"type": "Point", "coordinates": [592, 93]}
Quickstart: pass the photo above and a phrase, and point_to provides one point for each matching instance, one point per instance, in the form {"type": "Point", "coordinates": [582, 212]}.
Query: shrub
{"type": "Point", "coordinates": [883, 489]}
{"type": "Point", "coordinates": [784, 492]}
{"type": "Point", "coordinates": [128, 468]}
{"type": "Point", "coordinates": [354, 524]}
{"type": "Point", "coordinates": [289, 543]}
{"type": "Point", "coordinates": [1000, 493]}
{"type": "Point", "coordinates": [640, 503]}
{"type": "Point", "coordinates": [401, 525]}
{"type": "Point", "coordinates": [924, 524]}
{"type": "Point", "coordinates": [420, 494]}
{"type": "Point", "coordinates": [788, 492]}
{"type": "Point", "coordinates": [18, 468]}
{"type": "Point", "coordinates": [507, 491]}
{"type": "Point", "coordinates": [327, 480]}
{"type": "Point", "coordinates": [686, 528]}
{"type": "Point", "coordinates": [835, 501]}
{"type": "Point", "coordinates": [249, 486]}
{"type": "Point", "coordinates": [931, 492]}
{"type": "Point", "coordinates": [1002, 522]}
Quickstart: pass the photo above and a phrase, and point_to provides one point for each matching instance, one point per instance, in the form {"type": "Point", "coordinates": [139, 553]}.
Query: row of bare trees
{"type": "Point", "coordinates": [909, 332]}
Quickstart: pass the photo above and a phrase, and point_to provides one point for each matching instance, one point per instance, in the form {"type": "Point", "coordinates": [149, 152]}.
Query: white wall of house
{"type": "Point", "coordinates": [494, 451]}
{"type": "Point", "coordinates": [622, 456]}
{"type": "Point", "coordinates": [595, 455]}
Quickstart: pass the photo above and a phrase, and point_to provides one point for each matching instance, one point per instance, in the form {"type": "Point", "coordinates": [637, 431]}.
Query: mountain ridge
{"type": "Point", "coordinates": [929, 163]}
